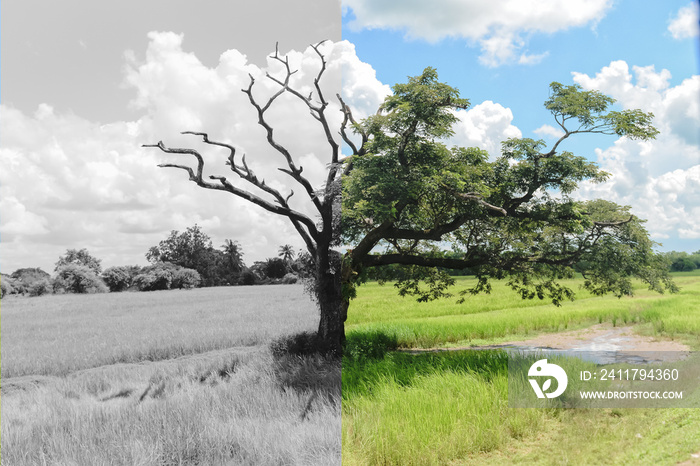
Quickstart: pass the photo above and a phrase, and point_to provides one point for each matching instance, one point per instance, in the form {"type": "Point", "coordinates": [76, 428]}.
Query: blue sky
{"type": "Point", "coordinates": [611, 45]}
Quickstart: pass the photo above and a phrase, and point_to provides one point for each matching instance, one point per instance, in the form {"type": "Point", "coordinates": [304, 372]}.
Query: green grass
{"type": "Point", "coordinates": [503, 313]}
{"type": "Point", "coordinates": [165, 378]}
{"type": "Point", "coordinates": [452, 407]}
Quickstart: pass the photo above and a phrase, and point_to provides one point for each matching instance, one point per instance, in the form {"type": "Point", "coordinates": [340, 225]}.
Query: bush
{"type": "Point", "coordinates": [5, 287]}
{"type": "Point", "coordinates": [116, 278]}
{"type": "Point", "coordinates": [185, 278]}
{"type": "Point", "coordinates": [290, 279]}
{"type": "Point", "coordinates": [153, 280]}
{"type": "Point", "coordinates": [165, 276]}
{"type": "Point", "coordinates": [40, 287]}
{"type": "Point", "coordinates": [274, 268]}
{"type": "Point", "coordinates": [22, 279]}
{"type": "Point", "coordinates": [248, 278]}
{"type": "Point", "coordinates": [683, 264]}
{"type": "Point", "coordinates": [73, 278]}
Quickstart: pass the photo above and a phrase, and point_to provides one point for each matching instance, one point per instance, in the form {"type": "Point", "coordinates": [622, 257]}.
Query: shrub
{"type": "Point", "coordinates": [275, 267]}
{"type": "Point", "coordinates": [40, 287]}
{"type": "Point", "coordinates": [248, 278]}
{"type": "Point", "coordinates": [5, 287]}
{"type": "Point", "coordinates": [73, 278]}
{"type": "Point", "coordinates": [290, 279]}
{"type": "Point", "coordinates": [165, 276]}
{"type": "Point", "coordinates": [120, 278]}
{"type": "Point", "coordinates": [185, 278]}
{"type": "Point", "coordinates": [683, 264]}
{"type": "Point", "coordinates": [153, 280]}
{"type": "Point", "coordinates": [22, 279]}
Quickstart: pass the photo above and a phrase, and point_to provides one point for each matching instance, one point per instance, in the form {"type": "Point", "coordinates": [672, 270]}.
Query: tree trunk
{"type": "Point", "coordinates": [331, 327]}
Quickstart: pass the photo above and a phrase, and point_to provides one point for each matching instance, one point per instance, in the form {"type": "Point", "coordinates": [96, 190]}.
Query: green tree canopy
{"type": "Point", "coordinates": [406, 195]}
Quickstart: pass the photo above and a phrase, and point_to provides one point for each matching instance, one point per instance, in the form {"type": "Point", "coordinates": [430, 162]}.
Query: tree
{"type": "Point", "coordinates": [79, 257]}
{"type": "Point", "coordinates": [275, 267]}
{"type": "Point", "coordinates": [319, 234]}
{"type": "Point", "coordinates": [406, 193]}
{"type": "Point", "coordinates": [120, 278]}
{"type": "Point", "coordinates": [78, 278]}
{"type": "Point", "coordinates": [5, 286]}
{"type": "Point", "coordinates": [233, 261]}
{"type": "Point", "coordinates": [286, 252]}
{"type": "Point", "coordinates": [23, 279]}
{"type": "Point", "coordinates": [191, 249]}
{"type": "Point", "coordinates": [166, 276]}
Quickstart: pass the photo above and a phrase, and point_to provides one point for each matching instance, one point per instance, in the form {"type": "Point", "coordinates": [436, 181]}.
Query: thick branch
{"type": "Point", "coordinates": [225, 185]}
{"type": "Point", "coordinates": [294, 172]}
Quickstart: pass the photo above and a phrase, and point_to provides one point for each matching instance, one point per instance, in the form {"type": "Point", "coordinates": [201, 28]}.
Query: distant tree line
{"type": "Point", "coordinates": [682, 261]}
{"type": "Point", "coordinates": [181, 261]}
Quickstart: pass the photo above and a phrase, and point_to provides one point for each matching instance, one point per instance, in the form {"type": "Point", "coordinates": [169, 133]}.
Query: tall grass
{"type": "Point", "coordinates": [165, 378]}
{"type": "Point", "coordinates": [59, 334]}
{"type": "Point", "coordinates": [225, 409]}
{"type": "Point", "coordinates": [503, 313]}
{"type": "Point", "coordinates": [452, 407]}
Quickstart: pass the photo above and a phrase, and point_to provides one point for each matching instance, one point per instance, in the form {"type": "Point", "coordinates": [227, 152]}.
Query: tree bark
{"type": "Point", "coordinates": [331, 326]}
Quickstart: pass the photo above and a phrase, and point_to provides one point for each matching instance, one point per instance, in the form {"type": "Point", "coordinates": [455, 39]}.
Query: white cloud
{"type": "Point", "coordinates": [685, 24]}
{"type": "Point", "coordinates": [526, 59]}
{"type": "Point", "coordinates": [485, 126]}
{"type": "Point", "coordinates": [362, 91]}
{"type": "Point", "coordinates": [20, 221]}
{"type": "Point", "coordinates": [72, 183]}
{"type": "Point", "coordinates": [499, 27]}
{"type": "Point", "coordinates": [549, 132]}
{"type": "Point", "coordinates": [676, 109]}
{"type": "Point", "coordinates": [660, 179]}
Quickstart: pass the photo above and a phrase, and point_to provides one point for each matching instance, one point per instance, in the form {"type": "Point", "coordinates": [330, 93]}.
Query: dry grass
{"type": "Point", "coordinates": [239, 405]}
{"type": "Point", "coordinates": [56, 335]}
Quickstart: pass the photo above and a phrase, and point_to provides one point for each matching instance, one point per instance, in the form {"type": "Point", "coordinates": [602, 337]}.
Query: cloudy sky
{"type": "Point", "coordinates": [84, 84]}
{"type": "Point", "coordinates": [502, 55]}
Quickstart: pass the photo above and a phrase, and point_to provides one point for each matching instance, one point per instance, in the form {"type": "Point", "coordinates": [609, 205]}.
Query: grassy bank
{"type": "Point", "coordinates": [452, 408]}
{"type": "Point", "coordinates": [504, 314]}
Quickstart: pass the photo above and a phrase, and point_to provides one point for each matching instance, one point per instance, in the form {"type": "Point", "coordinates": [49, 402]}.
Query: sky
{"type": "Point", "coordinates": [503, 54]}
{"type": "Point", "coordinates": [84, 84]}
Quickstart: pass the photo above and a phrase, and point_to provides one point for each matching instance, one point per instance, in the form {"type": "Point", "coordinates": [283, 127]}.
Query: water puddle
{"type": "Point", "coordinates": [597, 356]}
{"type": "Point", "coordinates": [599, 344]}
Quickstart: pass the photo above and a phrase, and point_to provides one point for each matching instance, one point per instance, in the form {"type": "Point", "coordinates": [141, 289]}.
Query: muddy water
{"type": "Point", "coordinates": [601, 344]}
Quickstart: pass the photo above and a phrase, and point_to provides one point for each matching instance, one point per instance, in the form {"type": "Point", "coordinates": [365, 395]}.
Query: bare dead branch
{"type": "Point", "coordinates": [294, 172]}
{"type": "Point", "coordinates": [223, 184]}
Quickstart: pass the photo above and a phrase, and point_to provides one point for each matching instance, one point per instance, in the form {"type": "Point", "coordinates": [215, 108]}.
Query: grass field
{"type": "Point", "coordinates": [165, 378]}
{"type": "Point", "coordinates": [452, 408]}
